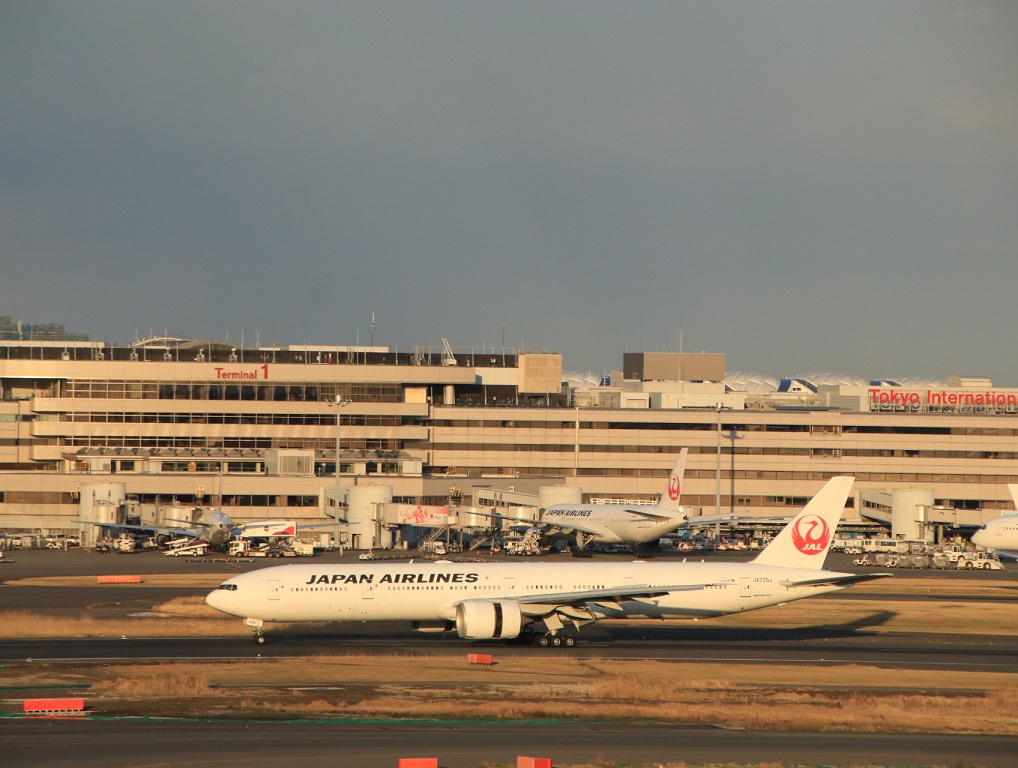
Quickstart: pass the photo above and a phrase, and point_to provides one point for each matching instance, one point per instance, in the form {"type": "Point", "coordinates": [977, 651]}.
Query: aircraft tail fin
{"type": "Point", "coordinates": [805, 541]}
{"type": "Point", "coordinates": [1013, 488]}
{"type": "Point", "coordinates": [671, 499]}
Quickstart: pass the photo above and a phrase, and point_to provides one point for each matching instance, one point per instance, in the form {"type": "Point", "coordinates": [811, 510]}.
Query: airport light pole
{"type": "Point", "coordinates": [339, 404]}
{"type": "Point", "coordinates": [717, 484]}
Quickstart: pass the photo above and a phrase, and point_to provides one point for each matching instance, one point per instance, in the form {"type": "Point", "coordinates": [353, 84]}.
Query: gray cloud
{"type": "Point", "coordinates": [803, 186]}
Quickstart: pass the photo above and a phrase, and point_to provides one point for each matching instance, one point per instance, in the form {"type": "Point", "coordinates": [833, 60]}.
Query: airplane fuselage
{"type": "Point", "coordinates": [615, 523]}
{"type": "Point", "coordinates": [999, 534]}
{"type": "Point", "coordinates": [432, 591]}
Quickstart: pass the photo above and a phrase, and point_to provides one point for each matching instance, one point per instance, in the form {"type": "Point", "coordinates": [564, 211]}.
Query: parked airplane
{"type": "Point", "coordinates": [509, 601]}
{"type": "Point", "coordinates": [1001, 533]}
{"type": "Point", "coordinates": [640, 526]}
{"type": "Point", "coordinates": [213, 527]}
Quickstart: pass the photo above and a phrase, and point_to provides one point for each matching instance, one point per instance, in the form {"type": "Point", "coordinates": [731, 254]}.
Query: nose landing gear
{"type": "Point", "coordinates": [259, 631]}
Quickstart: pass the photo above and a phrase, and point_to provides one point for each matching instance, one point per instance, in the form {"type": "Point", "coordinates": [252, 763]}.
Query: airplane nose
{"type": "Point", "coordinates": [219, 599]}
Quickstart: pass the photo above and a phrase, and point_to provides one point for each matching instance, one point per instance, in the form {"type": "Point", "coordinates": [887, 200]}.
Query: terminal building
{"type": "Point", "coordinates": [306, 432]}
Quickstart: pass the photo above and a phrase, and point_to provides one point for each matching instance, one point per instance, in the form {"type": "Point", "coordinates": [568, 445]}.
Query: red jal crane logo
{"type": "Point", "coordinates": [811, 535]}
{"type": "Point", "coordinates": [674, 487]}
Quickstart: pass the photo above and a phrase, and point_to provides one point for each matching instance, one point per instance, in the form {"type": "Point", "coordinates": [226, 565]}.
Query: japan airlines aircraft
{"type": "Point", "coordinates": [527, 601]}
{"type": "Point", "coordinates": [641, 526]}
{"type": "Point", "coordinates": [213, 527]}
{"type": "Point", "coordinates": [1001, 533]}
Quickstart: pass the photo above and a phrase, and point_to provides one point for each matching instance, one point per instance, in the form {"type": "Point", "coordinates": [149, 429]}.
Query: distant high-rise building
{"type": "Point", "coordinates": [18, 330]}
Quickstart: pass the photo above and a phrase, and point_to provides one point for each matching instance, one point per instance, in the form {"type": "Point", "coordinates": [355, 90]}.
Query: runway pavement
{"type": "Point", "coordinates": [813, 646]}
{"type": "Point", "coordinates": [128, 744]}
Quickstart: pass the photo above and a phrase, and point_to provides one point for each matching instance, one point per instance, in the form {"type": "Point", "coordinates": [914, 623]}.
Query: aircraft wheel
{"type": "Point", "coordinates": [570, 641]}
{"type": "Point", "coordinates": [556, 641]}
{"type": "Point", "coordinates": [543, 641]}
{"type": "Point", "coordinates": [259, 639]}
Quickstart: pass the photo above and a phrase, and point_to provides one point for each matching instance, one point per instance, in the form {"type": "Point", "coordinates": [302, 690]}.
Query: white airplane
{"type": "Point", "coordinates": [213, 527]}
{"type": "Point", "coordinates": [1001, 533]}
{"type": "Point", "coordinates": [517, 601]}
{"type": "Point", "coordinates": [638, 525]}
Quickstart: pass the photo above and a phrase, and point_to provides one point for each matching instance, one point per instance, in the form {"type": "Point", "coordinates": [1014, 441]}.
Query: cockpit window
{"type": "Point", "coordinates": [228, 587]}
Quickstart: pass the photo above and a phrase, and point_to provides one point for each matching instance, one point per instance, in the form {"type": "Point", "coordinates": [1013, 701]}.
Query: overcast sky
{"type": "Point", "coordinates": [804, 186]}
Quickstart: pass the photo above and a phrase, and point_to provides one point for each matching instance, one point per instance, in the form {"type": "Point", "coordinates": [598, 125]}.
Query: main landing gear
{"type": "Point", "coordinates": [547, 639]}
{"type": "Point", "coordinates": [556, 641]}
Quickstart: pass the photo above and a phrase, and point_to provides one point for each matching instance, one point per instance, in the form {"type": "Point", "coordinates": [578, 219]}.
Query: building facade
{"type": "Point", "coordinates": [182, 422]}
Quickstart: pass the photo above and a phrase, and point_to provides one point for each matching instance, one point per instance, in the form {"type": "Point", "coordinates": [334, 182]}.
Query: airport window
{"type": "Point", "coordinates": [243, 466]}
{"type": "Point", "coordinates": [825, 452]}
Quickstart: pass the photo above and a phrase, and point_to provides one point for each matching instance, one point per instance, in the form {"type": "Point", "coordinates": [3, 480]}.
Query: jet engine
{"type": "Point", "coordinates": [488, 620]}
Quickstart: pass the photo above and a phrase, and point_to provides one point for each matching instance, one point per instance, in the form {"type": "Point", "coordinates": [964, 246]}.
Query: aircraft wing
{"type": "Point", "coordinates": [152, 529]}
{"type": "Point", "coordinates": [701, 520]}
{"type": "Point", "coordinates": [836, 579]}
{"type": "Point", "coordinates": [266, 528]}
{"type": "Point", "coordinates": [612, 595]}
{"type": "Point", "coordinates": [649, 513]}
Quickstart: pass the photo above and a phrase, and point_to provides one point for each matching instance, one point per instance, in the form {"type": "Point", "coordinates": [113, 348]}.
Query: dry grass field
{"type": "Point", "coordinates": [741, 696]}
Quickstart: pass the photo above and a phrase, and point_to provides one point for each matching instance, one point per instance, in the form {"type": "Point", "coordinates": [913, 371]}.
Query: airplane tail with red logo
{"type": "Point", "coordinates": [805, 541]}
{"type": "Point", "coordinates": [671, 499]}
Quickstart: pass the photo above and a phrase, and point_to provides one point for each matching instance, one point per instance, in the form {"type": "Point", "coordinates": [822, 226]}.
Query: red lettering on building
{"type": "Point", "coordinates": [222, 373]}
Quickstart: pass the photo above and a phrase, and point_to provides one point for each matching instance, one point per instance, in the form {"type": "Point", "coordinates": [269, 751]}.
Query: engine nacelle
{"type": "Point", "coordinates": [432, 627]}
{"type": "Point", "coordinates": [488, 620]}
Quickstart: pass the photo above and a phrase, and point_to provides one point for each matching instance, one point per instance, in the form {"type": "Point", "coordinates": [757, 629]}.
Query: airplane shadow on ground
{"type": "Point", "coordinates": [863, 626]}
{"type": "Point", "coordinates": [602, 634]}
